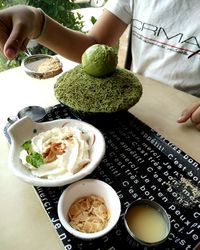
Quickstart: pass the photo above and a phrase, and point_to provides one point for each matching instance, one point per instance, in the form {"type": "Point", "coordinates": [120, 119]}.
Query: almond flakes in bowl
{"type": "Point", "coordinates": [89, 214]}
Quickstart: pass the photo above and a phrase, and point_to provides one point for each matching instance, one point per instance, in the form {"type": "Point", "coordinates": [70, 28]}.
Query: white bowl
{"type": "Point", "coordinates": [88, 187]}
{"type": "Point", "coordinates": [25, 129]}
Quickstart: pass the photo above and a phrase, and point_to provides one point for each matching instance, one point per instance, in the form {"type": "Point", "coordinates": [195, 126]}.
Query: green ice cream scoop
{"type": "Point", "coordinates": [99, 60]}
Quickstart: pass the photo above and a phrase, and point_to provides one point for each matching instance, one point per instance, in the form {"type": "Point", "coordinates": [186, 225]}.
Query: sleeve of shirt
{"type": "Point", "coordinates": [121, 8]}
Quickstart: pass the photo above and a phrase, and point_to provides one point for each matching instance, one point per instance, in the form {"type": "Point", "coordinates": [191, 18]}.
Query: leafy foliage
{"type": "Point", "coordinates": [61, 11]}
{"type": "Point", "coordinates": [33, 158]}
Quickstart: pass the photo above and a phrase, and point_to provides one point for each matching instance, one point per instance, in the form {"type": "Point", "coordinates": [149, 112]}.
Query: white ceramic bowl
{"type": "Point", "coordinates": [24, 129]}
{"type": "Point", "coordinates": [88, 187]}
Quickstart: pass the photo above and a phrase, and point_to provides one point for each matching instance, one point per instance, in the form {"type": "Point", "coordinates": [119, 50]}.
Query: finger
{"type": "Point", "coordinates": [4, 34]}
{"type": "Point", "coordinates": [10, 53]}
{"type": "Point", "coordinates": [3, 40]}
{"type": "Point", "coordinates": [187, 113]}
{"type": "Point", "coordinates": [15, 41]}
{"type": "Point", "coordinates": [11, 50]}
{"type": "Point", "coordinates": [195, 118]}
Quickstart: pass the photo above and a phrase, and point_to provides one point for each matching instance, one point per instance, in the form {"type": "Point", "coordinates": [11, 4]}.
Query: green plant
{"type": "Point", "coordinates": [93, 20]}
{"type": "Point", "coordinates": [7, 3]}
{"type": "Point", "coordinates": [5, 64]}
{"type": "Point", "coordinates": [61, 11]}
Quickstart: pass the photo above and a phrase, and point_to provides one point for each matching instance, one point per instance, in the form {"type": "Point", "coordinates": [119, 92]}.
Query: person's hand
{"type": "Point", "coordinates": [18, 24]}
{"type": "Point", "coordinates": [193, 113]}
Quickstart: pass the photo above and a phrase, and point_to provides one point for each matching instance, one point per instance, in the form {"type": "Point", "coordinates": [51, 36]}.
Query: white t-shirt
{"type": "Point", "coordinates": [164, 34]}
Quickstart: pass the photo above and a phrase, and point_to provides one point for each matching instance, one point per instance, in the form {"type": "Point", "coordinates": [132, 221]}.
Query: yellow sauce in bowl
{"type": "Point", "coordinates": [147, 223]}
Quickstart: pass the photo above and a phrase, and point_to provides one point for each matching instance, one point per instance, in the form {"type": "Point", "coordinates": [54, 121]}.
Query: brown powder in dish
{"type": "Point", "coordinates": [49, 64]}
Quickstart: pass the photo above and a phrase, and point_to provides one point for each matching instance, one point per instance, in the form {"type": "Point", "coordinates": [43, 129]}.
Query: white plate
{"type": "Point", "coordinates": [24, 129]}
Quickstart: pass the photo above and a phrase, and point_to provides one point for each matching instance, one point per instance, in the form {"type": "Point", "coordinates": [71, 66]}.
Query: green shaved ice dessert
{"type": "Point", "coordinates": [99, 60]}
{"type": "Point", "coordinates": [83, 92]}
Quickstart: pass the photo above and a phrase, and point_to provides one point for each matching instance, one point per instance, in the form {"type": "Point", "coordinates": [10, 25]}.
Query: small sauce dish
{"type": "Point", "coordinates": [42, 66]}
{"type": "Point", "coordinates": [36, 113]}
{"type": "Point", "coordinates": [147, 222]}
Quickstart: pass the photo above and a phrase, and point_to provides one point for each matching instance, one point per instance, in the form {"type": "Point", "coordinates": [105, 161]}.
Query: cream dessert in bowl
{"type": "Point", "coordinates": [57, 152]}
{"type": "Point", "coordinates": [54, 153]}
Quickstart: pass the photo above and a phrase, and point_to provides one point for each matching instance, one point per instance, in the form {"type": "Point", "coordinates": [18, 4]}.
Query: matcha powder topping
{"type": "Point", "coordinates": [87, 93]}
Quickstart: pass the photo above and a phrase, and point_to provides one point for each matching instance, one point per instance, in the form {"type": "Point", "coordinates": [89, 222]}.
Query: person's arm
{"type": "Point", "coordinates": [193, 113]}
{"type": "Point", "coordinates": [19, 24]}
{"type": "Point", "coordinates": [71, 44]}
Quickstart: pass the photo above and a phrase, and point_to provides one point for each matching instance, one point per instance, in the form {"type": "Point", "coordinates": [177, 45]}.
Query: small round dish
{"type": "Point", "coordinates": [36, 113]}
{"type": "Point", "coordinates": [84, 188]}
{"type": "Point", "coordinates": [147, 222]}
{"type": "Point", "coordinates": [42, 66]}
{"type": "Point", "coordinates": [25, 129]}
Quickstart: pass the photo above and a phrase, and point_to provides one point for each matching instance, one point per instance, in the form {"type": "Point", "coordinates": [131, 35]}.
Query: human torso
{"type": "Point", "coordinates": [164, 34]}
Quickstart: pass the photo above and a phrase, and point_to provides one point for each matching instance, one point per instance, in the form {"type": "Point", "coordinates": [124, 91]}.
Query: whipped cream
{"type": "Point", "coordinates": [64, 151]}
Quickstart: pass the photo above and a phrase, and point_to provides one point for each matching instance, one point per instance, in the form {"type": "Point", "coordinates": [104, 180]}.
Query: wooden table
{"type": "Point", "coordinates": [24, 224]}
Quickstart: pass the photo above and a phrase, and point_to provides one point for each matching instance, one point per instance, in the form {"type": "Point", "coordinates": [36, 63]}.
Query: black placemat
{"type": "Point", "coordinates": [139, 163]}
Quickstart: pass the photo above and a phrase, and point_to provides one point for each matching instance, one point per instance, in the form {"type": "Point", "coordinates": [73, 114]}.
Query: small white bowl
{"type": "Point", "coordinates": [88, 187]}
{"type": "Point", "coordinates": [25, 129]}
